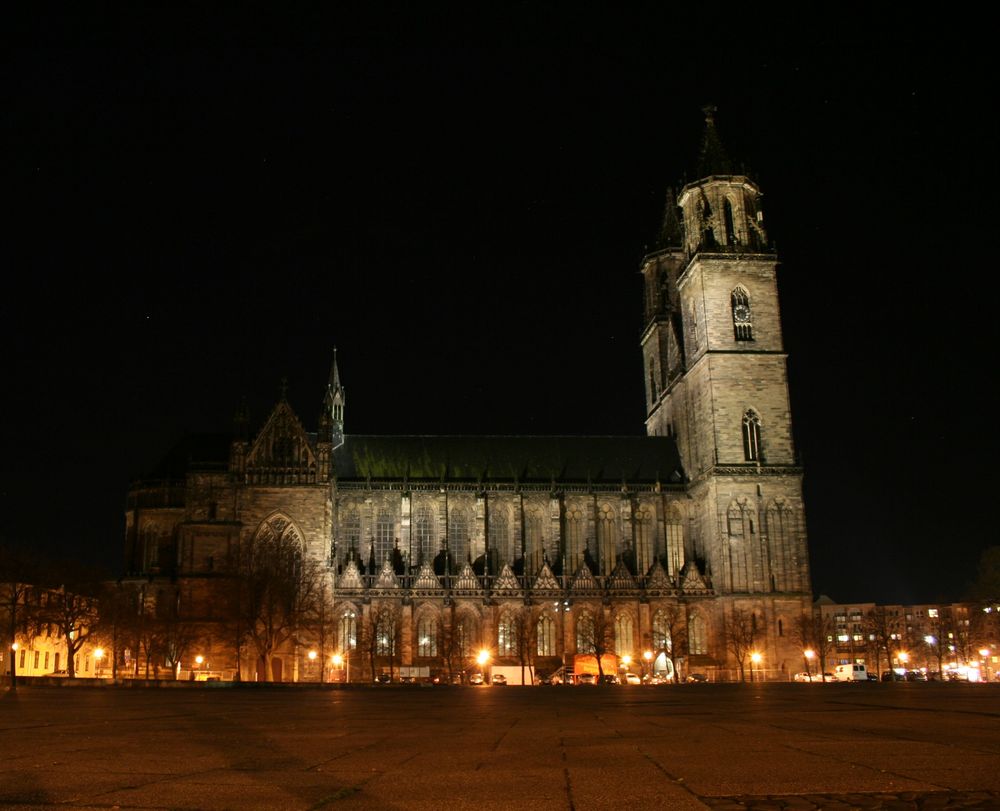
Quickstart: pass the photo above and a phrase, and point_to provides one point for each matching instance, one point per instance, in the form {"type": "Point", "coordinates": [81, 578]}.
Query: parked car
{"type": "Point", "coordinates": [499, 679]}
{"type": "Point", "coordinates": [586, 678]}
{"type": "Point", "coordinates": [892, 675]}
{"type": "Point", "coordinates": [696, 678]}
{"type": "Point", "coordinates": [550, 679]}
{"type": "Point", "coordinates": [476, 678]}
{"type": "Point", "coordinates": [383, 678]}
{"type": "Point", "coordinates": [632, 678]}
{"type": "Point", "coordinates": [658, 678]}
{"type": "Point", "coordinates": [809, 677]}
{"type": "Point", "coordinates": [915, 675]}
{"type": "Point", "coordinates": [610, 678]}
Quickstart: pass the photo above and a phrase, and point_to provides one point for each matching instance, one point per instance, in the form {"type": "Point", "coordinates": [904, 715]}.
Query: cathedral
{"type": "Point", "coordinates": [677, 553]}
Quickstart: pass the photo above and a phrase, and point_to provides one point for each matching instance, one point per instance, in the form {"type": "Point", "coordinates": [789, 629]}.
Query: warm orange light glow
{"type": "Point", "coordinates": [199, 659]}
{"type": "Point", "coordinates": [626, 660]}
{"type": "Point", "coordinates": [483, 657]}
{"type": "Point", "coordinates": [984, 652]}
{"type": "Point", "coordinates": [755, 658]}
{"type": "Point", "coordinates": [312, 655]}
{"type": "Point", "coordinates": [648, 656]}
{"type": "Point", "coordinates": [809, 653]}
{"type": "Point", "coordinates": [15, 646]}
{"type": "Point", "coordinates": [903, 657]}
{"type": "Point", "coordinates": [99, 654]}
{"type": "Point", "coordinates": [338, 660]}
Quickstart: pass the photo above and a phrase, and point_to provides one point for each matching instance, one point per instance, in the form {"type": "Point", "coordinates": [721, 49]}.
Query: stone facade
{"type": "Point", "coordinates": [529, 546]}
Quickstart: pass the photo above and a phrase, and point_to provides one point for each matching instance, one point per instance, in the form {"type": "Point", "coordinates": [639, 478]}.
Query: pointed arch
{"type": "Point", "coordinates": [585, 629]}
{"type": "Point", "coordinates": [423, 533]}
{"type": "Point", "coordinates": [278, 526]}
{"type": "Point", "coordinates": [661, 632]}
{"type": "Point", "coordinates": [697, 641]}
{"type": "Point", "coordinates": [428, 629]}
{"type": "Point", "coordinates": [752, 439]}
{"type": "Point", "coordinates": [742, 314]}
{"type": "Point", "coordinates": [624, 634]}
{"type": "Point", "coordinates": [675, 540]}
{"type": "Point", "coordinates": [499, 532]}
{"type": "Point", "coordinates": [607, 537]}
{"type": "Point", "coordinates": [737, 525]}
{"type": "Point", "coordinates": [458, 533]}
{"type": "Point", "coordinates": [574, 523]}
{"type": "Point", "coordinates": [545, 635]}
{"type": "Point", "coordinates": [507, 642]}
{"type": "Point", "coordinates": [643, 524]}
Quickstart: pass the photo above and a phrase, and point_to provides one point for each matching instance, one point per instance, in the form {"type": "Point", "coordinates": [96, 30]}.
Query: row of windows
{"type": "Point", "coordinates": [511, 628]}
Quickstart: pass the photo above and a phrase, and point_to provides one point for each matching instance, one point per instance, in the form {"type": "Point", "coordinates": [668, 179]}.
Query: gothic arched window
{"type": "Point", "coordinates": [574, 538]}
{"type": "Point", "coordinates": [607, 546]}
{"type": "Point", "coordinates": [500, 534]}
{"type": "Point", "coordinates": [751, 437]}
{"type": "Point", "coordinates": [347, 631]}
{"type": "Point", "coordinates": [507, 636]}
{"type": "Point", "coordinates": [423, 533]}
{"type": "Point", "coordinates": [661, 632]}
{"type": "Point", "coordinates": [624, 640]}
{"type": "Point", "coordinates": [385, 528]}
{"type": "Point", "coordinates": [696, 634]}
{"type": "Point", "coordinates": [458, 533]}
{"type": "Point", "coordinates": [742, 316]}
{"type": "Point", "coordinates": [585, 634]}
{"type": "Point", "coordinates": [427, 633]}
{"type": "Point", "coordinates": [546, 634]}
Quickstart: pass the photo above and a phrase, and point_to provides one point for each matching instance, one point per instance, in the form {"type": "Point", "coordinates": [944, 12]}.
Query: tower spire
{"type": "Point", "coordinates": [713, 159]}
{"type": "Point", "coordinates": [333, 402]}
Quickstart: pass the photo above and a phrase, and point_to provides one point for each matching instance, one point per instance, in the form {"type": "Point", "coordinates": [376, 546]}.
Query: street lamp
{"type": "Point", "coordinates": [626, 661]}
{"type": "Point", "coordinates": [482, 659]}
{"type": "Point", "coordinates": [98, 656]}
{"type": "Point", "coordinates": [985, 654]}
{"type": "Point", "coordinates": [754, 662]}
{"type": "Point", "coordinates": [648, 656]}
{"type": "Point", "coordinates": [312, 658]}
{"type": "Point", "coordinates": [342, 662]}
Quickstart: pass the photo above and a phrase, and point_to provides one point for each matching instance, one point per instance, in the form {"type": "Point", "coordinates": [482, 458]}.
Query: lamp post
{"type": "Point", "coordinates": [312, 658]}
{"type": "Point", "coordinates": [984, 653]}
{"type": "Point", "coordinates": [98, 656]}
{"type": "Point", "coordinates": [626, 661]}
{"type": "Point", "coordinates": [648, 656]}
{"type": "Point", "coordinates": [482, 660]}
{"type": "Point", "coordinates": [754, 662]}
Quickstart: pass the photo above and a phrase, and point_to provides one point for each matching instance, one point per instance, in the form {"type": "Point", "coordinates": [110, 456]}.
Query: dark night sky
{"type": "Point", "coordinates": [197, 217]}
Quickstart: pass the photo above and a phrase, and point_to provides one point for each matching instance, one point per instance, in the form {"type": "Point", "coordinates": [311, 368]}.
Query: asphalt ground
{"type": "Point", "coordinates": [204, 746]}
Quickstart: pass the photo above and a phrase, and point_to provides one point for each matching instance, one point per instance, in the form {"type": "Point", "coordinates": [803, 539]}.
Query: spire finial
{"type": "Point", "coordinates": [283, 388]}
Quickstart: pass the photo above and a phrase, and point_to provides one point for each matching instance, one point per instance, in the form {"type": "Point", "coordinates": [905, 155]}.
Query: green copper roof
{"type": "Point", "coordinates": [562, 459]}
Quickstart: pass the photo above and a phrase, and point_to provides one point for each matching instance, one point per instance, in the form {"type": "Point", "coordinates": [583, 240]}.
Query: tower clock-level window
{"type": "Point", "coordinates": [751, 437]}
{"type": "Point", "coordinates": [742, 317]}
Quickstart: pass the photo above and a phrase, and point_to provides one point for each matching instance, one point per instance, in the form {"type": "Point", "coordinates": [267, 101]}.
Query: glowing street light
{"type": "Point", "coordinates": [755, 658]}
{"type": "Point", "coordinates": [199, 660]}
{"type": "Point", "coordinates": [99, 655]}
{"type": "Point", "coordinates": [648, 656]}
{"type": "Point", "coordinates": [809, 655]}
{"type": "Point", "coordinates": [985, 654]}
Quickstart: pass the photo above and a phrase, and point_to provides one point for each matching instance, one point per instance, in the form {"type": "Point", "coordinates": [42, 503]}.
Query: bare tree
{"type": "Point", "coordinates": [18, 570]}
{"type": "Point", "coordinates": [278, 589]}
{"type": "Point", "coordinates": [379, 633]}
{"type": "Point", "coordinates": [671, 639]}
{"type": "Point", "coordinates": [813, 632]}
{"type": "Point", "coordinates": [72, 608]}
{"type": "Point", "coordinates": [524, 631]}
{"type": "Point", "coordinates": [595, 636]}
{"type": "Point", "coordinates": [740, 632]}
{"type": "Point", "coordinates": [882, 629]}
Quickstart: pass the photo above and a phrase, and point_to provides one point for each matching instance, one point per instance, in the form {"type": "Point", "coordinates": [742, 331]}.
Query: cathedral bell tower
{"type": "Point", "coordinates": [715, 373]}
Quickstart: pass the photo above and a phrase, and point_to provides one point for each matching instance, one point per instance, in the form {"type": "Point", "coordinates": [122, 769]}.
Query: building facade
{"type": "Point", "coordinates": [683, 549]}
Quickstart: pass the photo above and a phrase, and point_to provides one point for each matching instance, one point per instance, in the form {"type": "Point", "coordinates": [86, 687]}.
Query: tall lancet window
{"type": "Point", "coordinates": [742, 317]}
{"type": "Point", "coordinates": [752, 449]}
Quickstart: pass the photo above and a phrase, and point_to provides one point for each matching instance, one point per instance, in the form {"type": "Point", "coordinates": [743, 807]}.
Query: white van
{"type": "Point", "coordinates": [850, 673]}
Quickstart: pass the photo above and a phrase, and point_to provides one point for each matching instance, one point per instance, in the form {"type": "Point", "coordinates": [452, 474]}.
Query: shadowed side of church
{"type": "Point", "coordinates": [660, 550]}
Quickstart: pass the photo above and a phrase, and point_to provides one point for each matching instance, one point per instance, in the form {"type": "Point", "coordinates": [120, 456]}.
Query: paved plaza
{"type": "Point", "coordinates": [667, 747]}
